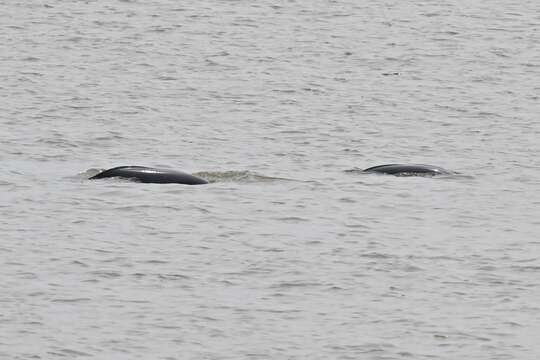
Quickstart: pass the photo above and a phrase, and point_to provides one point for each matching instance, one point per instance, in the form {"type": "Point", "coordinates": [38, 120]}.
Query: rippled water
{"type": "Point", "coordinates": [286, 254]}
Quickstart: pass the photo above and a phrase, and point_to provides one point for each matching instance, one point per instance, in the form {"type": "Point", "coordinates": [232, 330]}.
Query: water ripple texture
{"type": "Point", "coordinates": [289, 252]}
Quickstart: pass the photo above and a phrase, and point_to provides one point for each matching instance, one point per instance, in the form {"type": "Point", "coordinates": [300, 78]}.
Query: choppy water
{"type": "Point", "coordinates": [285, 255]}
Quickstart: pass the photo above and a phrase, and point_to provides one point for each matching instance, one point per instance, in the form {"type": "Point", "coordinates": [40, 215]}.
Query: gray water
{"type": "Point", "coordinates": [286, 254]}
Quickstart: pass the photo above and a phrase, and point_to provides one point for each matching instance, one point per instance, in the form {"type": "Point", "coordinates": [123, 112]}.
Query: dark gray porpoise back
{"type": "Point", "coordinates": [408, 169]}
{"type": "Point", "coordinates": [150, 175]}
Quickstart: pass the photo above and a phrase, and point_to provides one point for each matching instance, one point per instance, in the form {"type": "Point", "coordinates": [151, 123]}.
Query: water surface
{"type": "Point", "coordinates": [285, 255]}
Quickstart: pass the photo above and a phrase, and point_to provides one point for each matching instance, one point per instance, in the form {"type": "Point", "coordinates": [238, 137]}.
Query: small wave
{"type": "Point", "coordinates": [69, 353]}
{"type": "Point", "coordinates": [87, 174]}
{"type": "Point", "coordinates": [294, 284]}
{"type": "Point", "coordinates": [71, 300]}
{"type": "Point", "coordinates": [237, 176]}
